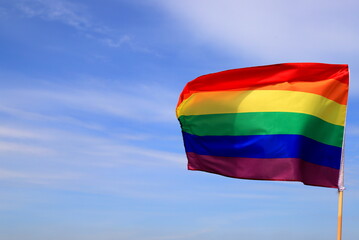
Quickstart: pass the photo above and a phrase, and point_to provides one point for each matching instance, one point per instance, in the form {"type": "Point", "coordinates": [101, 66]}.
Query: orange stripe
{"type": "Point", "coordinates": [330, 88]}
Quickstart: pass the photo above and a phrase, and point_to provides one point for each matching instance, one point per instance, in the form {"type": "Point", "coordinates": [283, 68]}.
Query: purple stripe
{"type": "Point", "coordinates": [275, 169]}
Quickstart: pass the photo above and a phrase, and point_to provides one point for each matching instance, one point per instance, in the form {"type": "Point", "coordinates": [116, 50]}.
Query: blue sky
{"type": "Point", "coordinates": [90, 147]}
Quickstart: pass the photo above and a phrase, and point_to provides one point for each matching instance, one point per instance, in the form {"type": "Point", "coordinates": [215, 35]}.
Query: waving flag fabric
{"type": "Point", "coordinates": [280, 122]}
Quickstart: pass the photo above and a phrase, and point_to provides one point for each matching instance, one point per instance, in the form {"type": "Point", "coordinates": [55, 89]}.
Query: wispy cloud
{"type": "Point", "coordinates": [36, 177]}
{"type": "Point", "coordinates": [33, 115]}
{"type": "Point", "coordinates": [92, 129]}
{"type": "Point", "coordinates": [18, 148]}
{"type": "Point", "coordinates": [16, 132]}
{"type": "Point", "coordinates": [115, 43]}
{"type": "Point", "coordinates": [63, 11]}
{"type": "Point", "coordinates": [138, 103]}
{"type": "Point", "coordinates": [77, 16]}
{"type": "Point", "coordinates": [188, 235]}
{"type": "Point", "coordinates": [66, 155]}
{"type": "Point", "coordinates": [85, 148]}
{"type": "Point", "coordinates": [117, 155]}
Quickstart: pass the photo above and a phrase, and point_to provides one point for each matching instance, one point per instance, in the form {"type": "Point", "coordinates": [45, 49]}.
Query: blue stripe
{"type": "Point", "coordinates": [265, 146]}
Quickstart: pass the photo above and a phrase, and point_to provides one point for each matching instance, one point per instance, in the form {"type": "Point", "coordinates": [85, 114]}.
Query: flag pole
{"type": "Point", "coordinates": [340, 214]}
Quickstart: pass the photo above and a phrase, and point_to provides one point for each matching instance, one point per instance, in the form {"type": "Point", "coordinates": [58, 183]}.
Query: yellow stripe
{"type": "Point", "coordinates": [202, 103]}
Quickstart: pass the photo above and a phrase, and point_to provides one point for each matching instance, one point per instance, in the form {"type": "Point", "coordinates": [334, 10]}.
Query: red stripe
{"type": "Point", "coordinates": [274, 169]}
{"type": "Point", "coordinates": [257, 77]}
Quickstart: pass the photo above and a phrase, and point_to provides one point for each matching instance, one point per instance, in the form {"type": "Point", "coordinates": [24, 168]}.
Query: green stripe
{"type": "Point", "coordinates": [263, 123]}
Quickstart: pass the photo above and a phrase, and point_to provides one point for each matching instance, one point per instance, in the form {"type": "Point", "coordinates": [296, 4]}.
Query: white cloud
{"type": "Point", "coordinates": [117, 155]}
{"type": "Point", "coordinates": [141, 103]}
{"type": "Point", "coordinates": [77, 161]}
{"type": "Point", "coordinates": [273, 30]}
{"type": "Point", "coordinates": [30, 115]}
{"type": "Point", "coordinates": [80, 149]}
{"type": "Point", "coordinates": [16, 132]}
{"type": "Point", "coordinates": [56, 129]}
{"type": "Point", "coordinates": [80, 127]}
{"type": "Point", "coordinates": [37, 177]}
{"type": "Point", "coordinates": [186, 235]}
{"type": "Point", "coordinates": [18, 148]}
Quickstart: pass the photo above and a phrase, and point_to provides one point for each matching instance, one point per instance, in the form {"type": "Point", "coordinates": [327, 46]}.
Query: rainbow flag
{"type": "Point", "coordinates": [281, 122]}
